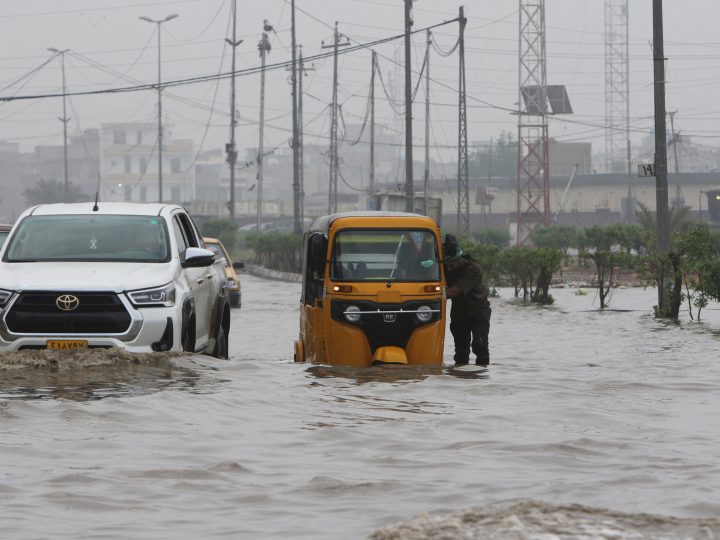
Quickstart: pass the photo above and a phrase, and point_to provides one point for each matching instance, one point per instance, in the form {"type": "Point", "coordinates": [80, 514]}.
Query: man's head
{"type": "Point", "coordinates": [451, 250]}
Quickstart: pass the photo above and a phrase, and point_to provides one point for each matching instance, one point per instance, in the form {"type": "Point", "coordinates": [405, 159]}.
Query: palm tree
{"type": "Point", "coordinates": [53, 191]}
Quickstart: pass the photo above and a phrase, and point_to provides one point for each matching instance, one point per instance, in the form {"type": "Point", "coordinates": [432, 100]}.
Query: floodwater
{"type": "Point", "coordinates": [586, 425]}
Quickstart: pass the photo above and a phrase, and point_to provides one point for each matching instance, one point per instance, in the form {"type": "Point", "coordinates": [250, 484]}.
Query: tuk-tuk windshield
{"type": "Point", "coordinates": [384, 255]}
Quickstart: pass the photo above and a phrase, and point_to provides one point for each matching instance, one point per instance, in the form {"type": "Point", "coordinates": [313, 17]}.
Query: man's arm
{"type": "Point", "coordinates": [452, 292]}
{"type": "Point", "coordinates": [470, 278]}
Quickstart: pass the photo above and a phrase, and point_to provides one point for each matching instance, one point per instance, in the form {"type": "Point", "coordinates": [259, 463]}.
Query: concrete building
{"type": "Point", "coordinates": [129, 165]}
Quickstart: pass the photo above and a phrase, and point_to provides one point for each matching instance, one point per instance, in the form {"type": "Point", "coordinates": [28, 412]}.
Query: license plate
{"type": "Point", "coordinates": [66, 344]}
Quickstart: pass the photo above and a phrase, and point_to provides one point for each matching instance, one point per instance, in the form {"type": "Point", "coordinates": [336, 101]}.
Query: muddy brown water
{"type": "Point", "coordinates": [587, 424]}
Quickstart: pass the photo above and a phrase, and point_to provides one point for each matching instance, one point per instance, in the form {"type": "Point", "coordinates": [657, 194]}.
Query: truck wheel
{"type": "Point", "coordinates": [221, 343]}
{"type": "Point", "coordinates": [188, 337]}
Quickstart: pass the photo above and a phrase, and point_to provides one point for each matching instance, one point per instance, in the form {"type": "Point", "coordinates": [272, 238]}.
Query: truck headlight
{"type": "Point", "coordinates": [424, 313]}
{"type": "Point", "coordinates": [158, 296]}
{"type": "Point", "coordinates": [352, 313]}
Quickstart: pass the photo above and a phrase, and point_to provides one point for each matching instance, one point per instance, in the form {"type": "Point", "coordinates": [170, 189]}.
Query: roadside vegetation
{"type": "Point", "coordinates": [691, 271]}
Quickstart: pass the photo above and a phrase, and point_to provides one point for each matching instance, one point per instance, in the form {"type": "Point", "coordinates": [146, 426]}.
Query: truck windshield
{"type": "Point", "coordinates": [384, 255]}
{"type": "Point", "coordinates": [109, 238]}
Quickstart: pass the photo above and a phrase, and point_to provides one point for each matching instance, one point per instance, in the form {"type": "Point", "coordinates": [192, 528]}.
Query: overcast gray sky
{"type": "Point", "coordinates": [112, 48]}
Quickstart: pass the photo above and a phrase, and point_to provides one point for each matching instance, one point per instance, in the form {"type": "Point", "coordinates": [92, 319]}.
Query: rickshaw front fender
{"type": "Point", "coordinates": [390, 355]}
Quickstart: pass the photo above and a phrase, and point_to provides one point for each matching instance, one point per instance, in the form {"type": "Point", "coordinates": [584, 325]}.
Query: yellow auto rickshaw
{"type": "Point", "coordinates": [373, 291]}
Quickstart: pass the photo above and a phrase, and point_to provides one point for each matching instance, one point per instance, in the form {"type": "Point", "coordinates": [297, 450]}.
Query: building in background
{"type": "Point", "coordinates": [129, 165]}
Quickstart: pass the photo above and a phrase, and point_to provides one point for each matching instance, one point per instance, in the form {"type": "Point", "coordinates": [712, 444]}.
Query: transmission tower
{"type": "Point", "coordinates": [533, 178]}
{"type": "Point", "coordinates": [463, 213]}
{"type": "Point", "coordinates": [617, 87]}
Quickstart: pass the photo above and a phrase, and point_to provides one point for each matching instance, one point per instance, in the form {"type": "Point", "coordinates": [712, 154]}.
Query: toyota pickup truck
{"type": "Point", "coordinates": [130, 275]}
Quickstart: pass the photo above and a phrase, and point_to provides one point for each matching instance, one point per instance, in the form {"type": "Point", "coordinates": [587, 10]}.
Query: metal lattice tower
{"type": "Point", "coordinates": [463, 213]}
{"type": "Point", "coordinates": [617, 87]}
{"type": "Point", "coordinates": [533, 178]}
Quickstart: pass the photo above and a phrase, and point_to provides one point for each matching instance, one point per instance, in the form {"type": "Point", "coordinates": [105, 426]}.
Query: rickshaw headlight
{"type": "Point", "coordinates": [424, 313]}
{"type": "Point", "coordinates": [352, 313]}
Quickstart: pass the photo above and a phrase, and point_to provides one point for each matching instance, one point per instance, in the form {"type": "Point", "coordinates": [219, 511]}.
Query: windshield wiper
{"type": "Point", "coordinates": [395, 262]}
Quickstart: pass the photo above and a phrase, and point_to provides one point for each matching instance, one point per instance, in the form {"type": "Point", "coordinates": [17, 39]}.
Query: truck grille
{"type": "Point", "coordinates": [96, 313]}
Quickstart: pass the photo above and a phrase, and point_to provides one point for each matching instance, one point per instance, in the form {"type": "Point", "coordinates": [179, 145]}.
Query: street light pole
{"type": "Point", "coordinates": [159, 89]}
{"type": "Point", "coordinates": [263, 48]}
{"type": "Point", "coordinates": [231, 151]}
{"type": "Point", "coordinates": [64, 118]}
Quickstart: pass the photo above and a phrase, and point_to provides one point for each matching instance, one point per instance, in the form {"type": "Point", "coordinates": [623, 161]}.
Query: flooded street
{"type": "Point", "coordinates": [584, 422]}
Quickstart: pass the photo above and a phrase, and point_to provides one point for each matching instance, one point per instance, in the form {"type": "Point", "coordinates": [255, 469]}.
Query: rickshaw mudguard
{"type": "Point", "coordinates": [390, 355]}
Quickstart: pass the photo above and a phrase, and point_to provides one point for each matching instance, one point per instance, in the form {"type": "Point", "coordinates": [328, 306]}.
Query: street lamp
{"type": "Point", "coordinates": [159, 88]}
{"type": "Point", "coordinates": [64, 118]}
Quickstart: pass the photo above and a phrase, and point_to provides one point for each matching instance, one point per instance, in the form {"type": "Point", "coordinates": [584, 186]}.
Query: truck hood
{"type": "Point", "coordinates": [85, 276]}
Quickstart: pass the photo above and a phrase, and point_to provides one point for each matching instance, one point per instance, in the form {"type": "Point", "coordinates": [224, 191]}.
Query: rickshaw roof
{"type": "Point", "coordinates": [323, 223]}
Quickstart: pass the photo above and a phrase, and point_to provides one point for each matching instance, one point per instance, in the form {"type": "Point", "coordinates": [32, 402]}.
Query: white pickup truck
{"type": "Point", "coordinates": [130, 275]}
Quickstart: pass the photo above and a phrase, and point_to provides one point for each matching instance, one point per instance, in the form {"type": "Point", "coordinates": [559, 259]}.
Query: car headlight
{"type": "Point", "coordinates": [4, 297]}
{"type": "Point", "coordinates": [352, 313]}
{"type": "Point", "coordinates": [158, 296]}
{"type": "Point", "coordinates": [232, 284]}
{"type": "Point", "coordinates": [424, 313]}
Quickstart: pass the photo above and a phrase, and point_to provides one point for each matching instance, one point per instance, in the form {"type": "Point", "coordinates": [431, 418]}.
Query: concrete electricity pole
{"type": "Point", "coordinates": [426, 205]}
{"type": "Point", "coordinates": [263, 47]}
{"type": "Point", "coordinates": [301, 158]}
{"type": "Point", "coordinates": [661, 181]}
{"type": "Point", "coordinates": [300, 71]}
{"type": "Point", "coordinates": [409, 191]}
{"type": "Point", "coordinates": [230, 148]}
{"type": "Point", "coordinates": [64, 118]}
{"type": "Point", "coordinates": [371, 187]}
{"type": "Point", "coordinates": [297, 219]}
{"type": "Point", "coordinates": [159, 85]}
{"type": "Point", "coordinates": [333, 187]}
{"type": "Point", "coordinates": [674, 139]}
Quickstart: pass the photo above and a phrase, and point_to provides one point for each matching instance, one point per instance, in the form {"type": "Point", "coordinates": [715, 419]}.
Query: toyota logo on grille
{"type": "Point", "coordinates": [67, 302]}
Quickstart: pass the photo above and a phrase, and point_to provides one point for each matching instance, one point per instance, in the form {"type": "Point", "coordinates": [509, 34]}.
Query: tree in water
{"type": "Point", "coordinates": [597, 245]}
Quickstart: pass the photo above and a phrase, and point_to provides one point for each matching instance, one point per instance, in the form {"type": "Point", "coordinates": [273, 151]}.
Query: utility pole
{"type": "Point", "coordinates": [159, 85]}
{"type": "Point", "coordinates": [371, 187]}
{"type": "Point", "coordinates": [301, 150]}
{"type": "Point", "coordinates": [333, 187]}
{"type": "Point", "coordinates": [674, 140]}
{"type": "Point", "coordinates": [490, 171]}
{"type": "Point", "coordinates": [463, 215]}
{"type": "Point", "coordinates": [263, 47]}
{"type": "Point", "coordinates": [230, 148]}
{"type": "Point", "coordinates": [64, 118]}
{"type": "Point", "coordinates": [409, 192]}
{"type": "Point", "coordinates": [300, 72]}
{"type": "Point", "coordinates": [661, 181]}
{"type": "Point", "coordinates": [297, 219]}
{"type": "Point", "coordinates": [426, 184]}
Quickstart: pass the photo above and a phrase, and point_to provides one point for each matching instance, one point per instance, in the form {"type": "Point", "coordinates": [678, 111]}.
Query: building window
{"type": "Point", "coordinates": [139, 136]}
{"type": "Point", "coordinates": [143, 165]}
{"type": "Point", "coordinates": [175, 165]}
{"type": "Point", "coordinates": [176, 193]}
{"type": "Point", "coordinates": [119, 137]}
{"type": "Point", "coordinates": [128, 164]}
{"type": "Point", "coordinates": [143, 194]}
{"type": "Point", "coordinates": [128, 193]}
